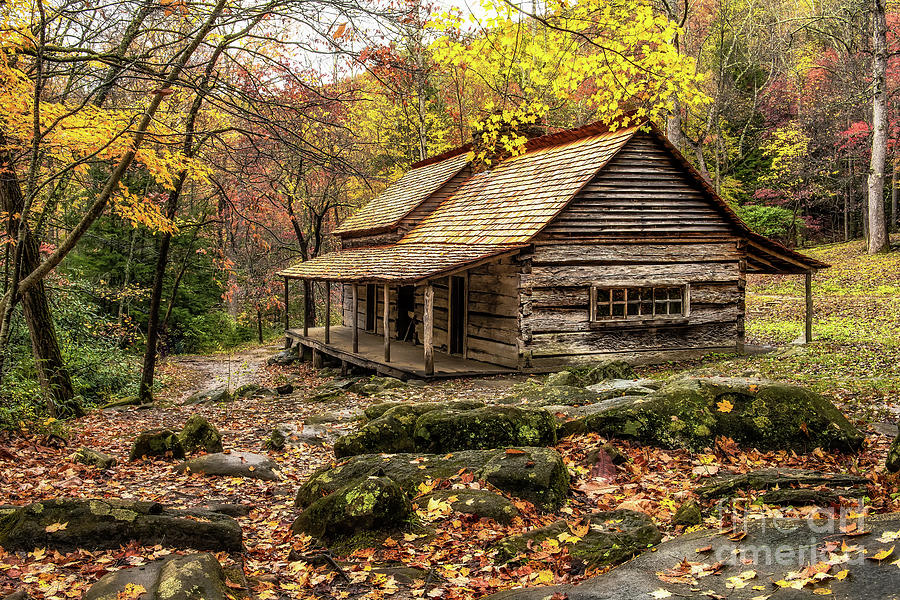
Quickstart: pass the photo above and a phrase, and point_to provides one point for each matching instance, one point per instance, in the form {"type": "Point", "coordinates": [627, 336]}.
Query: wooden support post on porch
{"type": "Point", "coordinates": [327, 312]}
{"type": "Point", "coordinates": [355, 319]}
{"type": "Point", "coordinates": [305, 307]}
{"type": "Point", "coordinates": [807, 332]}
{"type": "Point", "coordinates": [316, 359]}
{"type": "Point", "coordinates": [387, 323]}
{"type": "Point", "coordinates": [428, 322]}
{"type": "Point", "coordinates": [287, 314]}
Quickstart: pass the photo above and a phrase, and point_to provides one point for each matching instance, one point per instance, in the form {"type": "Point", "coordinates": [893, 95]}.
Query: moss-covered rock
{"type": "Point", "coordinates": [688, 514]}
{"type": "Point", "coordinates": [385, 434]}
{"type": "Point", "coordinates": [190, 577]}
{"type": "Point", "coordinates": [96, 524]}
{"type": "Point", "coordinates": [286, 357]}
{"type": "Point", "coordinates": [616, 388]}
{"type": "Point", "coordinates": [764, 479]}
{"type": "Point", "coordinates": [286, 434]}
{"type": "Point", "coordinates": [590, 374]}
{"type": "Point", "coordinates": [378, 410]}
{"type": "Point", "coordinates": [691, 413]}
{"type": "Point", "coordinates": [533, 393]}
{"type": "Point", "coordinates": [248, 390]}
{"type": "Point", "coordinates": [613, 537]}
{"type": "Point", "coordinates": [520, 472]}
{"type": "Point", "coordinates": [122, 403]}
{"type": "Point", "coordinates": [156, 443]}
{"type": "Point", "coordinates": [892, 463]}
{"type": "Point", "coordinates": [484, 504]}
{"type": "Point", "coordinates": [365, 505]}
{"type": "Point", "coordinates": [392, 427]}
{"type": "Point", "coordinates": [94, 458]}
{"type": "Point", "coordinates": [488, 427]}
{"type": "Point", "coordinates": [199, 434]}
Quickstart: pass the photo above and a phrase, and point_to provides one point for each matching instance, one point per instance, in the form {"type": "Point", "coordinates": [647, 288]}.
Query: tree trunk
{"type": "Point", "coordinates": [53, 375]}
{"type": "Point", "coordinates": [878, 238]}
{"type": "Point", "coordinates": [56, 382]}
{"type": "Point", "coordinates": [894, 195]}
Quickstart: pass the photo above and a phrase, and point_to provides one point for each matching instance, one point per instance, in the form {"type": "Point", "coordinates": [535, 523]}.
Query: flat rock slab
{"type": "Point", "coordinates": [765, 479]}
{"type": "Point", "coordinates": [98, 524]}
{"type": "Point", "coordinates": [692, 412]}
{"type": "Point", "coordinates": [288, 434]}
{"type": "Point", "coordinates": [190, 577]}
{"type": "Point", "coordinates": [612, 537]}
{"type": "Point", "coordinates": [233, 464]}
{"type": "Point", "coordinates": [538, 475]}
{"type": "Point", "coordinates": [625, 387]}
{"type": "Point", "coordinates": [772, 549]}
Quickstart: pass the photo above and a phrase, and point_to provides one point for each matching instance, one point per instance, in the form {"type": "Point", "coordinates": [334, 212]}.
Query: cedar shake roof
{"type": "Point", "coordinates": [515, 200]}
{"type": "Point", "coordinates": [497, 211]}
{"type": "Point", "coordinates": [402, 197]}
{"type": "Point", "coordinates": [407, 263]}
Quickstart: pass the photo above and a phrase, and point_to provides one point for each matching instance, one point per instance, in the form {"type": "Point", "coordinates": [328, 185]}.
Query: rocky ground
{"type": "Point", "coordinates": [440, 548]}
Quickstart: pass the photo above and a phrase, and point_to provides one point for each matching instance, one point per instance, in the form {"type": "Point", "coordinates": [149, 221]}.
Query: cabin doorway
{"type": "Point", "coordinates": [371, 306]}
{"type": "Point", "coordinates": [406, 314]}
{"type": "Point", "coordinates": [457, 315]}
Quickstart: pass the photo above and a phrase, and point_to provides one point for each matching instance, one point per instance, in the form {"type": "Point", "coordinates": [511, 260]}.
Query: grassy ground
{"type": "Point", "coordinates": [855, 355]}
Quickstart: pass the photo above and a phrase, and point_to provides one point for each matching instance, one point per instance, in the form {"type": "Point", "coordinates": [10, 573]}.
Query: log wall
{"type": "Point", "coordinates": [642, 221]}
{"type": "Point", "coordinates": [493, 330]}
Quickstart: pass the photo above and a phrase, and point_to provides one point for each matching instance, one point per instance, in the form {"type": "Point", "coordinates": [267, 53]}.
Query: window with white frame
{"type": "Point", "coordinates": [639, 303]}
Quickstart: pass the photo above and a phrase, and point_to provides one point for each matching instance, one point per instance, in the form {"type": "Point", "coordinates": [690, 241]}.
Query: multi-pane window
{"type": "Point", "coordinates": [613, 303]}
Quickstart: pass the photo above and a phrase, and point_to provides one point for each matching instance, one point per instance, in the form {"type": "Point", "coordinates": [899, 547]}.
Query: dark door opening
{"type": "Point", "coordinates": [406, 314]}
{"type": "Point", "coordinates": [371, 306]}
{"type": "Point", "coordinates": [457, 306]}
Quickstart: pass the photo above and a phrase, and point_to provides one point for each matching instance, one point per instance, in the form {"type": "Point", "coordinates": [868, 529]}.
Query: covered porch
{"type": "Point", "coordinates": [405, 360]}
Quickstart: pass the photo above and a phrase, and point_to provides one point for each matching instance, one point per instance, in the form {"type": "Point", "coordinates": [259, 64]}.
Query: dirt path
{"type": "Point", "coordinates": [228, 369]}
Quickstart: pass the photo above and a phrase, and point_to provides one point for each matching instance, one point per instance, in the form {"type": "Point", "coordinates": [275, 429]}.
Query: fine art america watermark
{"type": "Point", "coordinates": [819, 537]}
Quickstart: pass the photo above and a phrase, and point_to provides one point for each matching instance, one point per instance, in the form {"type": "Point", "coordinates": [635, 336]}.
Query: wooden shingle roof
{"type": "Point", "coordinates": [394, 263]}
{"type": "Point", "coordinates": [402, 197]}
{"type": "Point", "coordinates": [515, 200]}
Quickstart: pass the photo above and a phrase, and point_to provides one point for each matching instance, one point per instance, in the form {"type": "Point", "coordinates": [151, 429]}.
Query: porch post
{"type": "Point", "coordinates": [287, 314]}
{"type": "Point", "coordinates": [807, 338]}
{"type": "Point", "coordinates": [305, 307]}
{"type": "Point", "coordinates": [387, 323]}
{"type": "Point", "coordinates": [428, 321]}
{"type": "Point", "coordinates": [327, 312]}
{"type": "Point", "coordinates": [355, 319]}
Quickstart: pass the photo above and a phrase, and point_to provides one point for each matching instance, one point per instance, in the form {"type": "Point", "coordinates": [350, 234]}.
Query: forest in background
{"type": "Point", "coordinates": [160, 160]}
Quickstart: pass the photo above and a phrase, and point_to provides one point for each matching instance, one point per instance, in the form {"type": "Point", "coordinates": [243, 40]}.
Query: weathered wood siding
{"type": "Point", "coordinates": [493, 323]}
{"type": "Point", "coordinates": [347, 308]}
{"type": "Point", "coordinates": [643, 220]}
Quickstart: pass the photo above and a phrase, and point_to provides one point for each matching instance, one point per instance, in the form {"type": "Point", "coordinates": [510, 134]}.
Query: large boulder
{"type": "Point", "coordinates": [538, 475]}
{"type": "Point", "coordinates": [692, 413]}
{"type": "Point", "coordinates": [94, 458]}
{"type": "Point", "coordinates": [788, 551]}
{"type": "Point", "coordinates": [536, 394]}
{"type": "Point", "coordinates": [365, 505]}
{"type": "Point", "coordinates": [483, 504]}
{"type": "Point", "coordinates": [488, 427]}
{"type": "Point", "coordinates": [96, 524]}
{"type": "Point", "coordinates": [233, 464]}
{"type": "Point", "coordinates": [379, 409]}
{"type": "Point", "coordinates": [611, 537]}
{"type": "Point", "coordinates": [156, 443]}
{"type": "Point", "coordinates": [189, 577]}
{"type": "Point", "coordinates": [199, 434]}
{"type": "Point", "coordinates": [432, 427]}
{"type": "Point", "coordinates": [616, 388]}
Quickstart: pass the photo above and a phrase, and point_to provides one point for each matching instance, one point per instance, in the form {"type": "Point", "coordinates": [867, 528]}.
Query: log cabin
{"type": "Point", "coordinates": [591, 244]}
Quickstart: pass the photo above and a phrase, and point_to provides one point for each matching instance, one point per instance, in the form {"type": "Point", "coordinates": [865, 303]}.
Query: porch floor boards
{"type": "Point", "coordinates": [407, 360]}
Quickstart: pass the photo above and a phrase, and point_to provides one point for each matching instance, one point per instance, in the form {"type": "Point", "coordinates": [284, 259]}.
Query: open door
{"type": "Point", "coordinates": [406, 314]}
{"type": "Point", "coordinates": [371, 306]}
{"type": "Point", "coordinates": [457, 315]}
